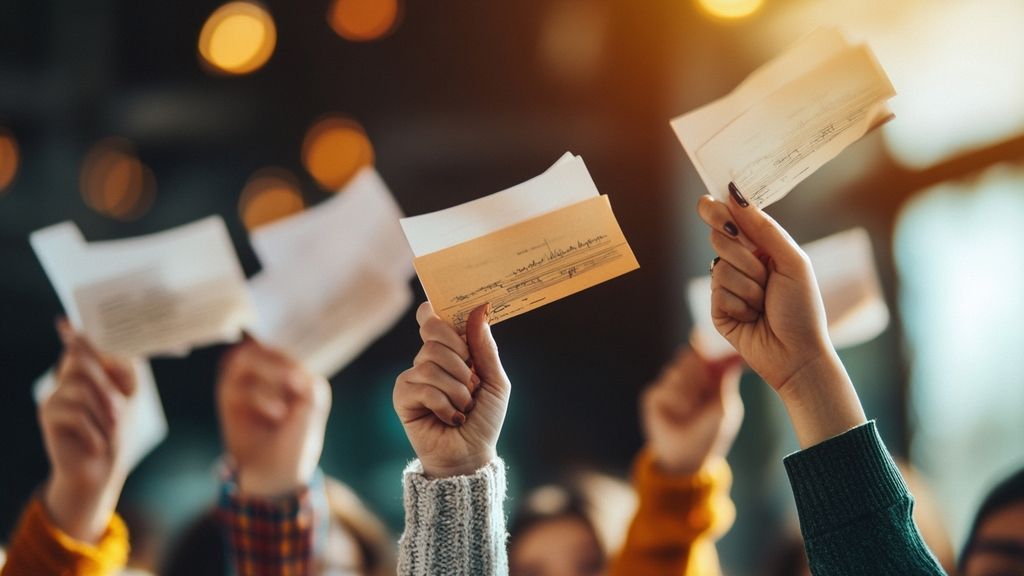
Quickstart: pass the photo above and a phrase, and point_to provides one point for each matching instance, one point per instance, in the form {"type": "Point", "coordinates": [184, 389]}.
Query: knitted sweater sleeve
{"type": "Point", "coordinates": [855, 509]}
{"type": "Point", "coordinates": [454, 526]}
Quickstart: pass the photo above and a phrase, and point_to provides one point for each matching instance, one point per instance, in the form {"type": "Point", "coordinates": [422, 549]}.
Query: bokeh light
{"type": "Point", "coordinates": [364, 20]}
{"type": "Point", "coordinates": [9, 159]}
{"type": "Point", "coordinates": [238, 38]}
{"type": "Point", "coordinates": [114, 182]}
{"type": "Point", "coordinates": [270, 194]}
{"type": "Point", "coordinates": [730, 9]}
{"type": "Point", "coordinates": [335, 148]}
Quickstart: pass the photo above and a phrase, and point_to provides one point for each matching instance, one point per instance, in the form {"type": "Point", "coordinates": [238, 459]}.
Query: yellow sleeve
{"type": "Point", "coordinates": [678, 521]}
{"type": "Point", "coordinates": [41, 549]}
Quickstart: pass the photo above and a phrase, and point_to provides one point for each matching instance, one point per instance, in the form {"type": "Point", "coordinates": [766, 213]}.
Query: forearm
{"type": "Point", "coordinates": [821, 400]}
{"type": "Point", "coordinates": [677, 522]}
{"type": "Point", "coordinates": [855, 509]}
{"type": "Point", "coordinates": [454, 526]}
{"type": "Point", "coordinates": [40, 548]}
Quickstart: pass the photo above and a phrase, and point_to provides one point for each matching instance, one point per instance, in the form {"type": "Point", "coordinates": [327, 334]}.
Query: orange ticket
{"type": "Point", "coordinates": [527, 265]}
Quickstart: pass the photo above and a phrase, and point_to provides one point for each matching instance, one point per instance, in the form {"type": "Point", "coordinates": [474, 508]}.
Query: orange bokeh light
{"type": "Point", "coordinates": [364, 20]}
{"type": "Point", "coordinates": [238, 38]}
{"type": "Point", "coordinates": [9, 159]}
{"type": "Point", "coordinates": [114, 182]}
{"type": "Point", "coordinates": [270, 194]}
{"type": "Point", "coordinates": [335, 148]}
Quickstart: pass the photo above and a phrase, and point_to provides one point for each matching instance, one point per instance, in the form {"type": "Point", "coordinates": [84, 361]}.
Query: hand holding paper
{"type": "Point", "coordinates": [788, 118]}
{"type": "Point", "coordinates": [519, 249]}
{"type": "Point", "coordinates": [845, 269]}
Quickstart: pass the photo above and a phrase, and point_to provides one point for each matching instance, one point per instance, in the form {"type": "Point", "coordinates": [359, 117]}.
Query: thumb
{"type": "Point", "coordinates": [769, 237]}
{"type": "Point", "coordinates": [482, 348]}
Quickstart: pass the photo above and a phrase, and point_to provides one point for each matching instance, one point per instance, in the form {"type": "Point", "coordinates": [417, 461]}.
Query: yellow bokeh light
{"type": "Point", "coordinates": [730, 9]}
{"type": "Point", "coordinates": [270, 194]}
{"type": "Point", "coordinates": [9, 159]}
{"type": "Point", "coordinates": [238, 38]}
{"type": "Point", "coordinates": [114, 182]}
{"type": "Point", "coordinates": [363, 20]}
{"type": "Point", "coordinates": [335, 148]}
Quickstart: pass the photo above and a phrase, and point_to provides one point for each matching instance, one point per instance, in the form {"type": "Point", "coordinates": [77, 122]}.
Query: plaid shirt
{"type": "Point", "coordinates": [278, 537]}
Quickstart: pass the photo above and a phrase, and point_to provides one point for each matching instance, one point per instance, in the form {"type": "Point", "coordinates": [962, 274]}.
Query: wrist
{"type": "Point", "coordinates": [821, 400]}
{"type": "Point", "coordinates": [81, 513]}
{"type": "Point", "coordinates": [270, 485]}
{"type": "Point", "coordinates": [674, 466]}
{"type": "Point", "coordinates": [464, 467]}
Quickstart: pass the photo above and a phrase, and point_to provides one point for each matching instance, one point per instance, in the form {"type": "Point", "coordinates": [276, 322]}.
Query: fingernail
{"type": "Point", "coordinates": [737, 196]}
{"type": "Point", "coordinates": [711, 270]}
{"type": "Point", "coordinates": [487, 312]}
{"type": "Point", "coordinates": [459, 419]}
{"type": "Point", "coordinates": [471, 405]}
{"type": "Point", "coordinates": [476, 380]}
{"type": "Point", "coordinates": [731, 229]}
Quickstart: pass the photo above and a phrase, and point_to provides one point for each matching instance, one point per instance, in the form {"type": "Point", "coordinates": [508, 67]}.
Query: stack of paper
{"type": "Point", "coordinates": [787, 118]}
{"type": "Point", "coordinates": [335, 277]}
{"type": "Point", "coordinates": [518, 249]}
{"type": "Point", "coordinates": [844, 267]}
{"type": "Point", "coordinates": [160, 294]}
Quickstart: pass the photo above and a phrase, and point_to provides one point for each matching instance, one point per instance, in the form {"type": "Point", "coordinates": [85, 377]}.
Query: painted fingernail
{"type": "Point", "coordinates": [459, 419]}
{"type": "Point", "coordinates": [471, 405]}
{"type": "Point", "coordinates": [711, 270]}
{"type": "Point", "coordinates": [737, 196]}
{"type": "Point", "coordinates": [731, 229]}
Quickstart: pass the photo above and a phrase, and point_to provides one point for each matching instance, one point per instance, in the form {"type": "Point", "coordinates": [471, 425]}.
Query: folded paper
{"type": "Point", "coordinates": [788, 118]}
{"type": "Point", "coordinates": [159, 294]}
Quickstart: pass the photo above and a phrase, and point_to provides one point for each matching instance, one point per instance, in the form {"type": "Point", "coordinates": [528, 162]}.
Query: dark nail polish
{"type": "Point", "coordinates": [459, 419]}
{"type": "Point", "coordinates": [714, 262]}
{"type": "Point", "coordinates": [731, 229]}
{"type": "Point", "coordinates": [737, 196]}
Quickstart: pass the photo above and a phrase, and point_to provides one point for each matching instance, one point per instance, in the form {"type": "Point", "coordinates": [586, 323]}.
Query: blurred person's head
{"type": "Point", "coordinates": [570, 529]}
{"type": "Point", "coordinates": [995, 545]}
{"type": "Point", "coordinates": [358, 543]}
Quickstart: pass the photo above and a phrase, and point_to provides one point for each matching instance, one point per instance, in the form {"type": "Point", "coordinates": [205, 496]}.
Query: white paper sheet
{"type": "Point", "coordinates": [144, 425]}
{"type": "Point", "coordinates": [335, 277]}
{"type": "Point", "coordinates": [788, 118]}
{"type": "Point", "coordinates": [844, 267]}
{"type": "Point", "coordinates": [358, 223]}
{"type": "Point", "coordinates": [159, 294]}
{"type": "Point", "coordinates": [327, 335]}
{"type": "Point", "coordinates": [564, 183]}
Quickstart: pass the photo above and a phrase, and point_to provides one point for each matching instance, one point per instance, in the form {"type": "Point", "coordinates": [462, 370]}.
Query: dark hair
{"type": "Point", "coordinates": [1008, 492]}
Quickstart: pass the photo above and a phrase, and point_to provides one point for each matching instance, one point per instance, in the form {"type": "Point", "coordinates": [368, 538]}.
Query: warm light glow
{"type": "Point", "coordinates": [270, 194]}
{"type": "Point", "coordinates": [114, 182]}
{"type": "Point", "coordinates": [9, 159]}
{"type": "Point", "coordinates": [363, 20]}
{"type": "Point", "coordinates": [335, 148]}
{"type": "Point", "coordinates": [238, 38]}
{"type": "Point", "coordinates": [730, 9]}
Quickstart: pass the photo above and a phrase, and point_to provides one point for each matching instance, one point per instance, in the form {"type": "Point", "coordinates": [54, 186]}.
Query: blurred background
{"type": "Point", "coordinates": [130, 117]}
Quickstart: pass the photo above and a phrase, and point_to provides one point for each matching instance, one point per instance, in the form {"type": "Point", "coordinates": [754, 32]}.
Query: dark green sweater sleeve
{"type": "Point", "coordinates": [855, 509]}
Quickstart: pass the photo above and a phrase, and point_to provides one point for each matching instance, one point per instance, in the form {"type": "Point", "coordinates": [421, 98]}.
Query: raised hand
{"type": "Point", "coordinates": [273, 415]}
{"type": "Point", "coordinates": [692, 412]}
{"type": "Point", "coordinates": [81, 422]}
{"type": "Point", "coordinates": [765, 301]}
{"type": "Point", "coordinates": [452, 401]}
